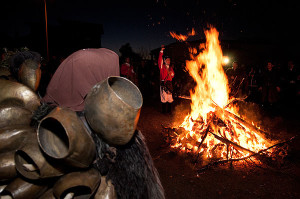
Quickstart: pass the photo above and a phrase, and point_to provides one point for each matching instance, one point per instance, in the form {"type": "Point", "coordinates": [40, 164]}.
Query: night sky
{"type": "Point", "coordinates": [146, 24]}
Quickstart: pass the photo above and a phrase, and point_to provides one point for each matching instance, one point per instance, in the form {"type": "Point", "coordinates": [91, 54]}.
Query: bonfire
{"type": "Point", "coordinates": [213, 132]}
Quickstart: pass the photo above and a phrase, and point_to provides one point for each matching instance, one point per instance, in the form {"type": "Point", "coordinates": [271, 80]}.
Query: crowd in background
{"type": "Point", "coordinates": [274, 86]}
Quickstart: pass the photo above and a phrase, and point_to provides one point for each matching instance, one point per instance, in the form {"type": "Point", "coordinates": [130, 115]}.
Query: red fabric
{"type": "Point", "coordinates": [127, 70]}
{"type": "Point", "coordinates": [164, 70]}
{"type": "Point", "coordinates": [77, 74]}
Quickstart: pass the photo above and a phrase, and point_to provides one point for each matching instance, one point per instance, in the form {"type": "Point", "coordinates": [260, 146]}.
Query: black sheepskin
{"type": "Point", "coordinates": [133, 173]}
{"type": "Point", "coordinates": [17, 59]}
{"type": "Point", "coordinates": [43, 110]}
{"type": "Point", "coordinates": [130, 168]}
{"type": "Point", "coordinates": [105, 156]}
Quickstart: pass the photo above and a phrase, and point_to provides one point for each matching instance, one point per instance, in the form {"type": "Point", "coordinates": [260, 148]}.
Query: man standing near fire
{"type": "Point", "coordinates": [166, 76]}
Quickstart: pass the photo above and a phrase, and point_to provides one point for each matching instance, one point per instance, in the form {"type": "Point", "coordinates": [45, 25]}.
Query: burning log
{"type": "Point", "coordinates": [234, 100]}
{"type": "Point", "coordinates": [219, 134]}
{"type": "Point", "coordinates": [240, 121]}
{"type": "Point", "coordinates": [203, 137]}
{"type": "Point", "coordinates": [259, 153]}
{"type": "Point", "coordinates": [202, 140]}
{"type": "Point", "coordinates": [228, 142]}
{"type": "Point", "coordinates": [218, 118]}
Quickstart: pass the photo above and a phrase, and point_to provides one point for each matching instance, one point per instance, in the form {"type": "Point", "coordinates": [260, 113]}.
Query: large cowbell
{"type": "Point", "coordinates": [112, 109]}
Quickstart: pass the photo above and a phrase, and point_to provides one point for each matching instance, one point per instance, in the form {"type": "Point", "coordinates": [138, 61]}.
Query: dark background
{"type": "Point", "coordinates": [145, 25]}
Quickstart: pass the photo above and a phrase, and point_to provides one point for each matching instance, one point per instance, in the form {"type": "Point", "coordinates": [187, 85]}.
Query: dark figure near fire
{"type": "Point", "coordinates": [166, 84]}
{"type": "Point", "coordinates": [270, 87]}
{"type": "Point", "coordinates": [291, 86]}
{"type": "Point", "coordinates": [236, 80]}
{"type": "Point", "coordinates": [252, 86]}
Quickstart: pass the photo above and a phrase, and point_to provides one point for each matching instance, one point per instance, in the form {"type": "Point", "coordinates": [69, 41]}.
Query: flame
{"type": "Point", "coordinates": [211, 83]}
{"type": "Point", "coordinates": [210, 97]}
{"type": "Point", "coordinates": [181, 37]}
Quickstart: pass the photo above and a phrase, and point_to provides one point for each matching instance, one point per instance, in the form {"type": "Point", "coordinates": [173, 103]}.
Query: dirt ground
{"type": "Point", "coordinates": [179, 175]}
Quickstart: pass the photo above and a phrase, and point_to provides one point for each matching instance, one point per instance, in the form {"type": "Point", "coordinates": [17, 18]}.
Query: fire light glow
{"type": "Point", "coordinates": [208, 101]}
{"type": "Point", "coordinates": [226, 60]}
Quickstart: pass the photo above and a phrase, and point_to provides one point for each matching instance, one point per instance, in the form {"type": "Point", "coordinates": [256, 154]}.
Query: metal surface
{"type": "Point", "coordinates": [48, 195]}
{"type": "Point", "coordinates": [5, 73]}
{"type": "Point", "coordinates": [14, 137]}
{"type": "Point", "coordinates": [15, 93]}
{"type": "Point", "coordinates": [106, 190]}
{"type": "Point", "coordinates": [39, 166]}
{"type": "Point", "coordinates": [7, 166]}
{"type": "Point", "coordinates": [83, 184]}
{"type": "Point", "coordinates": [112, 109]}
{"type": "Point", "coordinates": [62, 135]}
{"type": "Point", "coordinates": [21, 189]}
{"type": "Point", "coordinates": [14, 115]}
{"type": "Point", "coordinates": [30, 74]}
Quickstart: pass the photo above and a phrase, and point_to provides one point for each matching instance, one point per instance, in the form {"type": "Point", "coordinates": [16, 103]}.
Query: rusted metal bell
{"type": "Point", "coordinates": [33, 164]}
{"type": "Point", "coordinates": [105, 190]}
{"type": "Point", "coordinates": [19, 94]}
{"type": "Point", "coordinates": [14, 115]}
{"type": "Point", "coordinates": [5, 73]}
{"type": "Point", "coordinates": [30, 74]}
{"type": "Point", "coordinates": [2, 186]}
{"type": "Point", "coordinates": [21, 189]}
{"type": "Point", "coordinates": [14, 137]}
{"type": "Point", "coordinates": [82, 184]}
{"type": "Point", "coordinates": [112, 109]}
{"type": "Point", "coordinates": [7, 166]}
{"type": "Point", "coordinates": [62, 135]}
{"type": "Point", "coordinates": [48, 195]}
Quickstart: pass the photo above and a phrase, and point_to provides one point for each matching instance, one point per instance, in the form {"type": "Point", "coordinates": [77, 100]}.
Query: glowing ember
{"type": "Point", "coordinates": [213, 129]}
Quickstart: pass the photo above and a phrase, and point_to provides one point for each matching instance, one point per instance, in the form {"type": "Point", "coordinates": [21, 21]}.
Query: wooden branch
{"type": "Point", "coordinates": [239, 120]}
{"type": "Point", "coordinates": [184, 97]}
{"type": "Point", "coordinates": [203, 138]}
{"type": "Point", "coordinates": [244, 158]}
{"type": "Point", "coordinates": [236, 146]}
{"type": "Point", "coordinates": [244, 123]}
{"type": "Point", "coordinates": [168, 128]}
{"type": "Point", "coordinates": [234, 100]}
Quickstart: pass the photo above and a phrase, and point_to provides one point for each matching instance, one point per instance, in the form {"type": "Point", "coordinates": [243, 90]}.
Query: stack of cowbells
{"type": "Point", "coordinates": [61, 158]}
